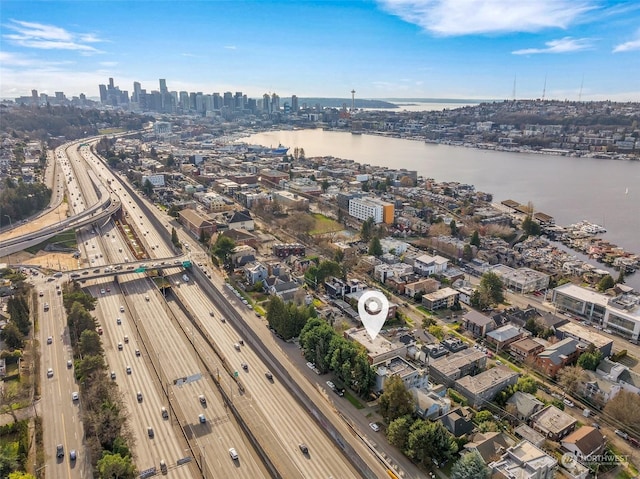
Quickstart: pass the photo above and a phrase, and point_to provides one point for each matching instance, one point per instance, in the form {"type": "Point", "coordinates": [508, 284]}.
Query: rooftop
{"type": "Point", "coordinates": [552, 419]}
{"type": "Point", "coordinates": [584, 334]}
{"type": "Point", "coordinates": [583, 294]}
{"type": "Point", "coordinates": [375, 347]}
{"type": "Point", "coordinates": [486, 379]}
{"type": "Point", "coordinates": [447, 365]}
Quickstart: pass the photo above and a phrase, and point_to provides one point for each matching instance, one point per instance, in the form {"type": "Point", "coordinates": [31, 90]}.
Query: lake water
{"type": "Point", "coordinates": [605, 192]}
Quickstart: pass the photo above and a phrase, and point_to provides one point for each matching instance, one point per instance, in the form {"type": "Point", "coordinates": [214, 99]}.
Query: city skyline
{"type": "Point", "coordinates": [473, 49]}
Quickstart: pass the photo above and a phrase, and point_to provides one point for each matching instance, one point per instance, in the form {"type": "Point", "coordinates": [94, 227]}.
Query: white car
{"type": "Point", "coordinates": [233, 453]}
{"type": "Point", "coordinates": [75, 396]}
{"type": "Point", "coordinates": [374, 426]}
{"type": "Point", "coordinates": [49, 373]}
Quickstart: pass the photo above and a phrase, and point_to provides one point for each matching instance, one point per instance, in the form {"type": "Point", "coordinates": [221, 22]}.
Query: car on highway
{"type": "Point", "coordinates": [69, 364]}
{"type": "Point", "coordinates": [113, 375]}
{"type": "Point", "coordinates": [202, 399]}
{"type": "Point", "coordinates": [59, 451]}
{"type": "Point", "coordinates": [233, 453]}
{"type": "Point", "coordinates": [75, 396]}
{"type": "Point", "coordinates": [374, 426]}
{"type": "Point", "coordinates": [164, 413]}
{"type": "Point", "coordinates": [202, 419]}
{"type": "Point", "coordinates": [269, 375]}
{"type": "Point", "coordinates": [122, 309]}
{"type": "Point", "coordinates": [118, 321]}
{"type": "Point", "coordinates": [568, 402]}
{"type": "Point", "coordinates": [244, 366]}
{"type": "Point", "coordinates": [128, 369]}
{"type": "Point", "coordinates": [126, 339]}
{"type": "Point", "coordinates": [119, 346]}
{"type": "Point", "coordinates": [622, 434]}
{"type": "Point", "coordinates": [303, 448]}
{"type": "Point", "coordinates": [150, 432]}
{"type": "Point", "coordinates": [41, 294]}
{"type": "Point", "coordinates": [50, 340]}
{"type": "Point", "coordinates": [211, 314]}
{"type": "Point", "coordinates": [137, 352]}
{"type": "Point", "coordinates": [49, 373]}
{"type": "Point", "coordinates": [139, 396]}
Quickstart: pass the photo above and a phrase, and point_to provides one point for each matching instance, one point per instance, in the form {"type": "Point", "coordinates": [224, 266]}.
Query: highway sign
{"type": "Point", "coordinates": [139, 270]}
{"type": "Point", "coordinates": [186, 264]}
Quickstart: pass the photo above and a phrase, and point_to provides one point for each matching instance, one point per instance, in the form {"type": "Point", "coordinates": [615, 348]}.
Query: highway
{"type": "Point", "coordinates": [61, 421]}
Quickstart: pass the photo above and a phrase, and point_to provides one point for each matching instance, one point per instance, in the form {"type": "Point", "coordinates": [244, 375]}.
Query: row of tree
{"type": "Point", "coordinates": [19, 200]}
{"type": "Point", "coordinates": [331, 352]}
{"type": "Point", "coordinates": [103, 415]}
{"type": "Point", "coordinates": [288, 319]}
{"type": "Point", "coordinates": [17, 330]}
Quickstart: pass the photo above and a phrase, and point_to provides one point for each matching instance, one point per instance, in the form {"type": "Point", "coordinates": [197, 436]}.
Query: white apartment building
{"type": "Point", "coordinates": [365, 208]}
{"type": "Point", "coordinates": [155, 180]}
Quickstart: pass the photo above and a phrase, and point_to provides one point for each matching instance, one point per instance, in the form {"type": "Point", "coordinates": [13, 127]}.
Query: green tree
{"type": "Point", "coordinates": [475, 239]}
{"type": "Point", "coordinates": [21, 475]}
{"type": "Point", "coordinates": [90, 344]}
{"type": "Point", "coordinates": [429, 440]}
{"type": "Point", "coordinates": [437, 331]}
{"type": "Point", "coordinates": [223, 248]}
{"type": "Point", "coordinates": [454, 228]}
{"type": "Point", "coordinates": [367, 229]}
{"type": "Point", "coordinates": [527, 384]}
{"type": "Point", "coordinates": [470, 466]}
{"type": "Point", "coordinates": [174, 238]}
{"type": "Point", "coordinates": [398, 431]}
{"type": "Point", "coordinates": [492, 287]}
{"type": "Point", "coordinates": [467, 253]}
{"type": "Point", "coordinates": [620, 279]}
{"type": "Point", "coordinates": [174, 211]}
{"type": "Point", "coordinates": [396, 400]}
{"type": "Point", "coordinates": [147, 188]}
{"type": "Point", "coordinates": [12, 336]}
{"type": "Point", "coordinates": [375, 248]}
{"type": "Point", "coordinates": [590, 360]}
{"type": "Point", "coordinates": [114, 466]}
{"type": "Point", "coordinates": [606, 283]}
{"type": "Point", "coordinates": [530, 226]}
{"type": "Point", "coordinates": [324, 185]}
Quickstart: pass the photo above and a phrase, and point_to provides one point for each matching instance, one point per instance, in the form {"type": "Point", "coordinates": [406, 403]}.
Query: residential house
{"type": "Point", "coordinates": [525, 348]}
{"type": "Point", "coordinates": [447, 369]}
{"type": "Point", "coordinates": [627, 379]}
{"type": "Point", "coordinates": [502, 337]}
{"type": "Point", "coordinates": [442, 299]}
{"type": "Point", "coordinates": [477, 323]}
{"type": "Point", "coordinates": [242, 255]}
{"type": "Point", "coordinates": [584, 442]}
{"type": "Point", "coordinates": [411, 376]}
{"type": "Point", "coordinates": [483, 387]}
{"type": "Point", "coordinates": [427, 265]}
{"type": "Point", "coordinates": [558, 355]}
{"type": "Point", "coordinates": [429, 403]}
{"type": "Point", "coordinates": [288, 249]}
{"type": "Point", "coordinates": [383, 272]}
{"type": "Point", "coordinates": [525, 404]}
{"type": "Point", "coordinates": [458, 421]}
{"type": "Point", "coordinates": [337, 288]}
{"type": "Point", "coordinates": [255, 272]}
{"type": "Point", "coordinates": [490, 445]}
{"type": "Point", "coordinates": [524, 461]}
{"type": "Point", "coordinates": [355, 296]}
{"type": "Point", "coordinates": [285, 290]}
{"type": "Point", "coordinates": [454, 344]}
{"type": "Point", "coordinates": [426, 285]}
{"type": "Point", "coordinates": [241, 220]}
{"type": "Point", "coordinates": [553, 423]}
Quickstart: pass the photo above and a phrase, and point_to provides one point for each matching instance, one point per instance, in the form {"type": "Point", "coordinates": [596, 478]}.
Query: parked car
{"type": "Point", "coordinates": [374, 426]}
{"type": "Point", "coordinates": [622, 434]}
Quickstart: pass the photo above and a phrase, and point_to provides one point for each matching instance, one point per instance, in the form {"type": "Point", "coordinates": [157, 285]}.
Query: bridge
{"type": "Point", "coordinates": [142, 266]}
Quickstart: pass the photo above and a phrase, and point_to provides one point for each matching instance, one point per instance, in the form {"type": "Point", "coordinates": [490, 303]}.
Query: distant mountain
{"type": "Point", "coordinates": [339, 102]}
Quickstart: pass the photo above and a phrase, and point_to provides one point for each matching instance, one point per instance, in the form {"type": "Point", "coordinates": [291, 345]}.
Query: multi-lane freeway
{"type": "Point", "coordinates": [153, 337]}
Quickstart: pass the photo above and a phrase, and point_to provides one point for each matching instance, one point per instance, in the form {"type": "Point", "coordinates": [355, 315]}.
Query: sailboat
{"type": "Point", "coordinates": [626, 191]}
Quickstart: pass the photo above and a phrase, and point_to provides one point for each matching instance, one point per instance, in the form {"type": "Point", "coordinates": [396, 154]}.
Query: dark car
{"type": "Point", "coordinates": [303, 448]}
{"type": "Point", "coordinates": [59, 450]}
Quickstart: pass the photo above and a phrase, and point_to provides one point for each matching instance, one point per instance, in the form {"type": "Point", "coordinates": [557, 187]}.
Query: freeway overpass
{"type": "Point", "coordinates": [142, 266]}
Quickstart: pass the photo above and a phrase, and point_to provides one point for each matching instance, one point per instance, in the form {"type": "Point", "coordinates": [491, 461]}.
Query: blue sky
{"type": "Point", "coordinates": [588, 49]}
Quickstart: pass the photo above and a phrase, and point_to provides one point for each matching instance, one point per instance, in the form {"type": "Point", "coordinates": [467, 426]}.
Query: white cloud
{"type": "Point", "coordinates": [49, 37]}
{"type": "Point", "coordinates": [108, 64]}
{"type": "Point", "coordinates": [563, 45]}
{"type": "Point", "coordinates": [230, 47]}
{"type": "Point", "coordinates": [467, 17]}
{"type": "Point", "coordinates": [630, 45]}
